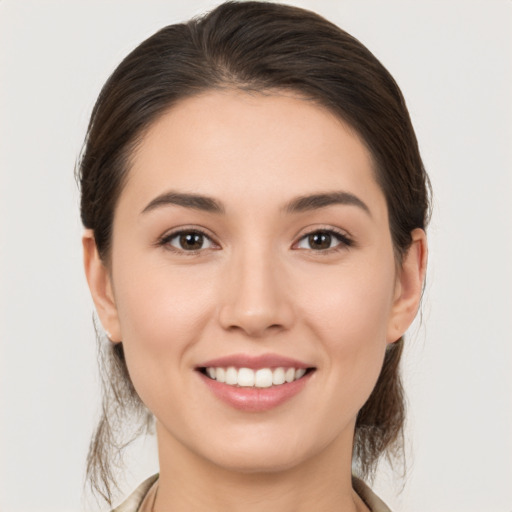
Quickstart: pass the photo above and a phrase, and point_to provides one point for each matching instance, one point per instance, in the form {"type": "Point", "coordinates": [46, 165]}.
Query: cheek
{"type": "Point", "coordinates": [350, 305]}
{"type": "Point", "coordinates": [160, 304]}
{"type": "Point", "coordinates": [349, 311]}
{"type": "Point", "coordinates": [162, 313]}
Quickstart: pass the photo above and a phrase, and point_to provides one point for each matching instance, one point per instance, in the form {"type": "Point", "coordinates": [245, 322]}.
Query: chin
{"type": "Point", "coordinates": [272, 453]}
{"type": "Point", "coordinates": [257, 462]}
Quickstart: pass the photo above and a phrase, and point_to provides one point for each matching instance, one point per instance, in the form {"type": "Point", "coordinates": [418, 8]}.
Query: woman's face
{"type": "Point", "coordinates": [252, 234]}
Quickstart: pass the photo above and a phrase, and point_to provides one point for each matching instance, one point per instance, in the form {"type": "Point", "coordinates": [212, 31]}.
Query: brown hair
{"type": "Point", "coordinates": [256, 46]}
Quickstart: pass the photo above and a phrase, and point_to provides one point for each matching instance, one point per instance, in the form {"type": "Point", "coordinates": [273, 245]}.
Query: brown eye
{"type": "Point", "coordinates": [189, 241]}
{"type": "Point", "coordinates": [320, 240]}
{"type": "Point", "coordinates": [323, 240]}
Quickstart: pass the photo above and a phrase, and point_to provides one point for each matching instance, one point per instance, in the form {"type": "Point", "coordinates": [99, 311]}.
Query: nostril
{"type": "Point", "coordinates": [254, 327]}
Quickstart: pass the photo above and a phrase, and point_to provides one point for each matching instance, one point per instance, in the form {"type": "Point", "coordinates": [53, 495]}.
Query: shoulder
{"type": "Point", "coordinates": [134, 501]}
{"type": "Point", "coordinates": [372, 501]}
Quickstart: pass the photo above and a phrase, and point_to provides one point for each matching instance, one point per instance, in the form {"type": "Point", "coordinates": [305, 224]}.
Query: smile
{"type": "Point", "coordinates": [254, 378]}
{"type": "Point", "coordinates": [255, 383]}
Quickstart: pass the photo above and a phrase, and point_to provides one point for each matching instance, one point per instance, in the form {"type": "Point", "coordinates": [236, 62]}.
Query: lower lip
{"type": "Point", "coordinates": [252, 399]}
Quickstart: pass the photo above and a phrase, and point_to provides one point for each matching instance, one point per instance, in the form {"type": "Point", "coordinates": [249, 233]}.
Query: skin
{"type": "Point", "coordinates": [257, 287]}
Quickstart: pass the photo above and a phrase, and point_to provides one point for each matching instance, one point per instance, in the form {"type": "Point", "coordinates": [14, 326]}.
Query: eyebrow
{"type": "Point", "coordinates": [316, 201]}
{"type": "Point", "coordinates": [194, 201]}
{"type": "Point", "coordinates": [297, 205]}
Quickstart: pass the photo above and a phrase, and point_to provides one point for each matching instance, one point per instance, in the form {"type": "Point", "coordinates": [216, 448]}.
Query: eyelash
{"type": "Point", "coordinates": [165, 241]}
{"type": "Point", "coordinates": [343, 241]}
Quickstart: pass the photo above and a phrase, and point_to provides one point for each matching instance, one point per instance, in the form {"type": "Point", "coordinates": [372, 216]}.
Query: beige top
{"type": "Point", "coordinates": [142, 499]}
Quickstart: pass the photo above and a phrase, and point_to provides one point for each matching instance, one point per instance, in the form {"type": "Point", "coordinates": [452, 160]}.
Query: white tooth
{"type": "Point", "coordinates": [231, 376]}
{"type": "Point", "coordinates": [220, 374]}
{"type": "Point", "coordinates": [300, 373]}
{"type": "Point", "coordinates": [210, 372]}
{"type": "Point", "coordinates": [278, 376]}
{"type": "Point", "coordinates": [290, 375]}
{"type": "Point", "coordinates": [263, 378]}
{"type": "Point", "coordinates": [246, 377]}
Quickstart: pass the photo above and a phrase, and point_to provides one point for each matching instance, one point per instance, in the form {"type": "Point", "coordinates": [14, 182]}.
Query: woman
{"type": "Point", "coordinates": [255, 205]}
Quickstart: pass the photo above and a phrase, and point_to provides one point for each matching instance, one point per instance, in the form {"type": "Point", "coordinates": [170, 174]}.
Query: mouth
{"type": "Point", "coordinates": [255, 378]}
{"type": "Point", "coordinates": [255, 383]}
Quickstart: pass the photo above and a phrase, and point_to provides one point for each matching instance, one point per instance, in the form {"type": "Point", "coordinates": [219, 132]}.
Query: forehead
{"type": "Point", "coordinates": [232, 144]}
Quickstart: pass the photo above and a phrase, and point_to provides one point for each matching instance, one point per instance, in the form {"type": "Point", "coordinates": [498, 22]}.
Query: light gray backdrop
{"type": "Point", "coordinates": [452, 60]}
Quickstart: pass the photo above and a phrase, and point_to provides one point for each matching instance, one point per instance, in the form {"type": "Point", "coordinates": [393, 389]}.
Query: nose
{"type": "Point", "coordinates": [256, 299]}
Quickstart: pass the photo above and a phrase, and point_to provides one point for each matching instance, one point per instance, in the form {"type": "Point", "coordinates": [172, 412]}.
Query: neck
{"type": "Point", "coordinates": [190, 482]}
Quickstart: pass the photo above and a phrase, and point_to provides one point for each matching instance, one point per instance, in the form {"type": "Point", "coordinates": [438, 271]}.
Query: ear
{"type": "Point", "coordinates": [409, 286]}
{"type": "Point", "coordinates": [100, 285]}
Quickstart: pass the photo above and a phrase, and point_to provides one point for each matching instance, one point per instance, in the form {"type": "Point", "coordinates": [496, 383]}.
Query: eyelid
{"type": "Point", "coordinates": [345, 240]}
{"type": "Point", "coordinates": [163, 240]}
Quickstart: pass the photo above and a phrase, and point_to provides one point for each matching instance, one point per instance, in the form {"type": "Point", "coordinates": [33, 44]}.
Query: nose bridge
{"type": "Point", "coordinates": [255, 297]}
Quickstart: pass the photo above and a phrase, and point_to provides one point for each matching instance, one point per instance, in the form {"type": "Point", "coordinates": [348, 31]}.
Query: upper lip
{"type": "Point", "coordinates": [254, 362]}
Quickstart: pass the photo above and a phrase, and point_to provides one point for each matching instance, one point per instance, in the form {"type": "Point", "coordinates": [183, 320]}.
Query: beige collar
{"type": "Point", "coordinates": [143, 498]}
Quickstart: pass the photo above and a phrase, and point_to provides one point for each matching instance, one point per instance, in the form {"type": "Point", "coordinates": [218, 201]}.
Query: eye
{"type": "Point", "coordinates": [323, 240]}
{"type": "Point", "coordinates": [188, 241]}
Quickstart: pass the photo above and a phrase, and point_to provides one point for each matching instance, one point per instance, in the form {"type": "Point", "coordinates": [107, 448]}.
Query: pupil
{"type": "Point", "coordinates": [191, 241]}
{"type": "Point", "coordinates": [320, 241]}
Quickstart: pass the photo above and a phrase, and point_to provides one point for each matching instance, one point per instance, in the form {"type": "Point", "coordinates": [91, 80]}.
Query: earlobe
{"type": "Point", "coordinates": [409, 286]}
{"type": "Point", "coordinates": [100, 286]}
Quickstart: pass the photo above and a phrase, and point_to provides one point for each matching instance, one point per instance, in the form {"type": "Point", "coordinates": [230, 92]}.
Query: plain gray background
{"type": "Point", "coordinates": [453, 61]}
